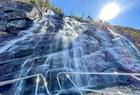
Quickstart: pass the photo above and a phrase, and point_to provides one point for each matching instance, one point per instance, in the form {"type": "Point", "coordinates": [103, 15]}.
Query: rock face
{"type": "Point", "coordinates": [132, 34]}
{"type": "Point", "coordinates": [69, 54]}
{"type": "Point", "coordinates": [17, 16]}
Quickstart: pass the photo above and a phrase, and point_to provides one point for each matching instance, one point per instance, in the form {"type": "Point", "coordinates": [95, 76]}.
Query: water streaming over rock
{"type": "Point", "coordinates": [57, 44]}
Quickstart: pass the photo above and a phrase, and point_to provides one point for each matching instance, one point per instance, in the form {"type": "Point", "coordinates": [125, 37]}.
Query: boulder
{"type": "Point", "coordinates": [32, 11]}
{"type": "Point", "coordinates": [16, 16]}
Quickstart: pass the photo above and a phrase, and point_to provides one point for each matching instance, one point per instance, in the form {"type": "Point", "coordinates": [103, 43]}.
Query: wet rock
{"type": "Point", "coordinates": [23, 53]}
{"type": "Point", "coordinates": [14, 26]}
{"type": "Point", "coordinates": [6, 56]}
{"type": "Point", "coordinates": [4, 36]}
{"type": "Point", "coordinates": [17, 24]}
{"type": "Point", "coordinates": [11, 14]}
{"type": "Point", "coordinates": [3, 25]}
{"type": "Point", "coordinates": [109, 56]}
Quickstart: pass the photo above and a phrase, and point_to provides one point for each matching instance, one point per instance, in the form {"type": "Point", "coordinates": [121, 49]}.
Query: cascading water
{"type": "Point", "coordinates": [55, 46]}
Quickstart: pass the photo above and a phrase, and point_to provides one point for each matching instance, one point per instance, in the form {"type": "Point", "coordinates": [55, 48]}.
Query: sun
{"type": "Point", "coordinates": [109, 11]}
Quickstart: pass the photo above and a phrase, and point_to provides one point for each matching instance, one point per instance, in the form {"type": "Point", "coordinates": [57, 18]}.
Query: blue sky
{"type": "Point", "coordinates": [129, 15]}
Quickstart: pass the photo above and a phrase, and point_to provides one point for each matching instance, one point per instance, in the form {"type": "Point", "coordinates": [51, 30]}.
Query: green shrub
{"type": "Point", "coordinates": [78, 18]}
{"type": "Point", "coordinates": [57, 10]}
{"type": "Point", "coordinates": [32, 2]}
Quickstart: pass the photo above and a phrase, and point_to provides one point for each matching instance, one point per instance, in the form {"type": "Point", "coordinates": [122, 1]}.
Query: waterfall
{"type": "Point", "coordinates": [27, 35]}
{"type": "Point", "coordinates": [64, 50]}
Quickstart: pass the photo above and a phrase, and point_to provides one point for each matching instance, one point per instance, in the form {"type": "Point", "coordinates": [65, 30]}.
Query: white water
{"type": "Point", "coordinates": [72, 49]}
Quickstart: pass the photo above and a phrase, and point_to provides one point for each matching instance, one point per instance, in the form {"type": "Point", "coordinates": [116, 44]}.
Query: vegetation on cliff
{"type": "Point", "coordinates": [132, 34]}
{"type": "Point", "coordinates": [44, 4]}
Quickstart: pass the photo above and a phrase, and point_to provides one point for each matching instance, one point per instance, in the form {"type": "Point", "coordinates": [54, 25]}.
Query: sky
{"type": "Point", "coordinates": [129, 15]}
